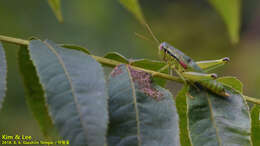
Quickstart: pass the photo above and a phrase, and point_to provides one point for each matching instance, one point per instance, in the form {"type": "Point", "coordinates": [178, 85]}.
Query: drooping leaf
{"type": "Point", "coordinates": [116, 56]}
{"type": "Point", "coordinates": [182, 111]}
{"type": "Point", "coordinates": [56, 8]}
{"type": "Point", "coordinates": [141, 113]}
{"type": "Point", "coordinates": [232, 82]}
{"type": "Point", "coordinates": [34, 93]}
{"type": "Point", "coordinates": [75, 47]}
{"type": "Point", "coordinates": [133, 7]}
{"type": "Point", "coordinates": [230, 13]}
{"type": "Point", "coordinates": [255, 116]}
{"type": "Point", "coordinates": [3, 74]}
{"type": "Point", "coordinates": [152, 65]}
{"type": "Point", "coordinates": [218, 121]}
{"type": "Point", "coordinates": [75, 90]}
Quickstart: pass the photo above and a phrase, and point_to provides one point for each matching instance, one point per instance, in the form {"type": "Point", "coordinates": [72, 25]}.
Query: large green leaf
{"type": "Point", "coordinates": [56, 8]}
{"type": "Point", "coordinates": [255, 115]}
{"type": "Point", "coordinates": [3, 73]}
{"type": "Point", "coordinates": [141, 113]}
{"type": "Point", "coordinates": [152, 65]}
{"type": "Point", "coordinates": [232, 82]}
{"type": "Point", "coordinates": [182, 111]}
{"type": "Point", "coordinates": [218, 121]}
{"type": "Point", "coordinates": [230, 12]}
{"type": "Point", "coordinates": [134, 7]}
{"type": "Point", "coordinates": [76, 93]}
{"type": "Point", "coordinates": [35, 94]}
{"type": "Point", "coordinates": [116, 56]}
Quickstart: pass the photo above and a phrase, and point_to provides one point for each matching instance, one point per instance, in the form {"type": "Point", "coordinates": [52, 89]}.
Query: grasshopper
{"type": "Point", "coordinates": [190, 71]}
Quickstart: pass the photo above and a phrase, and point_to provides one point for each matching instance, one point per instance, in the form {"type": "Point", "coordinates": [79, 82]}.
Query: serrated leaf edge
{"type": "Point", "coordinates": [37, 74]}
{"type": "Point", "coordinates": [5, 78]}
{"type": "Point", "coordinates": [244, 100]}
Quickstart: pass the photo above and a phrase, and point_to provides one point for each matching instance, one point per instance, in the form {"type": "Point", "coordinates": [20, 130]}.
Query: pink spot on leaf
{"type": "Point", "coordinates": [144, 83]}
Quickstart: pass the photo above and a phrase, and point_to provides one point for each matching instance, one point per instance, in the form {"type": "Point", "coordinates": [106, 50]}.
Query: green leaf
{"type": "Point", "coordinates": [232, 82]}
{"type": "Point", "coordinates": [56, 8]}
{"type": "Point", "coordinates": [141, 113]}
{"type": "Point", "coordinates": [34, 92]}
{"type": "Point", "coordinates": [182, 111]}
{"type": "Point", "coordinates": [75, 47]}
{"type": "Point", "coordinates": [3, 74]}
{"type": "Point", "coordinates": [75, 90]}
{"type": "Point", "coordinates": [116, 56]}
{"type": "Point", "coordinates": [149, 64]}
{"type": "Point", "coordinates": [255, 116]}
{"type": "Point", "coordinates": [230, 13]}
{"type": "Point", "coordinates": [133, 7]}
{"type": "Point", "coordinates": [152, 65]}
{"type": "Point", "coordinates": [218, 121]}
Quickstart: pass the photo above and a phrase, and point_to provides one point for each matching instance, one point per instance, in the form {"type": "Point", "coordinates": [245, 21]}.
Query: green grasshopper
{"type": "Point", "coordinates": [190, 71]}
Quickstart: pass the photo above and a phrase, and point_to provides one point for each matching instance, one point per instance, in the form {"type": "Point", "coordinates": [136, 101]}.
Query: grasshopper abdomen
{"type": "Point", "coordinates": [214, 86]}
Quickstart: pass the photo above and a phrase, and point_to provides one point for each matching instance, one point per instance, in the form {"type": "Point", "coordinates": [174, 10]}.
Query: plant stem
{"type": "Point", "coordinates": [14, 40]}
{"type": "Point", "coordinates": [112, 63]}
{"type": "Point", "coordinates": [251, 99]}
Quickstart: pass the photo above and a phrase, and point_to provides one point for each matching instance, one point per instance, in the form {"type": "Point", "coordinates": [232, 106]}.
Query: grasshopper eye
{"type": "Point", "coordinates": [161, 47]}
{"type": "Point", "coordinates": [189, 60]}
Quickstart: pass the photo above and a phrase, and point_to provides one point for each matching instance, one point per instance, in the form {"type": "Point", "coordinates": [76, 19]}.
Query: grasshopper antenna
{"type": "Point", "coordinates": [151, 32]}
{"type": "Point", "coordinates": [144, 37]}
{"type": "Point", "coordinates": [141, 36]}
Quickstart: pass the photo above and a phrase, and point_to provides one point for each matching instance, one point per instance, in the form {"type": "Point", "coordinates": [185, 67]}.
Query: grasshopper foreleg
{"type": "Point", "coordinates": [161, 69]}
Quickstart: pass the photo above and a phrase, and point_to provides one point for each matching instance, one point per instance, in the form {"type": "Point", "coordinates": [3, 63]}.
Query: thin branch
{"type": "Point", "coordinates": [14, 40]}
{"type": "Point", "coordinates": [112, 63]}
{"type": "Point", "coordinates": [251, 99]}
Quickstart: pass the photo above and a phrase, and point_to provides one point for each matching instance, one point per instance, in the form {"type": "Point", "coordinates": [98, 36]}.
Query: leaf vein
{"type": "Point", "coordinates": [70, 83]}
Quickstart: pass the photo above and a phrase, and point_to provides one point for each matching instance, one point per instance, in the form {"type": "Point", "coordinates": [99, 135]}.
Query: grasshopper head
{"type": "Point", "coordinates": [163, 50]}
{"type": "Point", "coordinates": [163, 46]}
{"type": "Point", "coordinates": [179, 56]}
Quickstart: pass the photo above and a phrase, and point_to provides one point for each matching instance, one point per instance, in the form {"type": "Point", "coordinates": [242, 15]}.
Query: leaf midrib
{"type": "Point", "coordinates": [135, 106]}
{"type": "Point", "coordinates": [70, 83]}
{"type": "Point", "coordinates": [213, 120]}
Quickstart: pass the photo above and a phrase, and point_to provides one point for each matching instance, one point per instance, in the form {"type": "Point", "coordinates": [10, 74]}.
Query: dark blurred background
{"type": "Point", "coordinates": [104, 25]}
